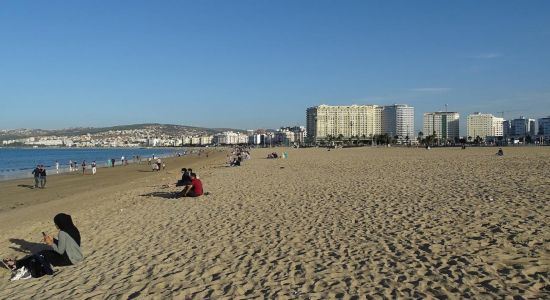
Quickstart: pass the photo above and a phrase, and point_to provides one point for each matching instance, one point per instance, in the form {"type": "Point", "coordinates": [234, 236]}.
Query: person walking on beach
{"type": "Point", "coordinates": [70, 165]}
{"type": "Point", "coordinates": [36, 173]}
{"type": "Point", "coordinates": [83, 167]}
{"type": "Point", "coordinates": [42, 177]}
{"type": "Point", "coordinates": [122, 160]}
{"type": "Point", "coordinates": [56, 167]}
{"type": "Point", "coordinates": [94, 169]}
{"type": "Point", "coordinates": [112, 162]}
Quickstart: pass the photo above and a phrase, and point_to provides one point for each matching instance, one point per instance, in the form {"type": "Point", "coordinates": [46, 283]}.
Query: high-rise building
{"type": "Point", "coordinates": [506, 128]}
{"type": "Point", "coordinates": [544, 127]}
{"type": "Point", "coordinates": [522, 127]}
{"type": "Point", "coordinates": [326, 121]}
{"type": "Point", "coordinates": [398, 120]}
{"type": "Point", "coordinates": [484, 125]}
{"type": "Point", "coordinates": [445, 125]}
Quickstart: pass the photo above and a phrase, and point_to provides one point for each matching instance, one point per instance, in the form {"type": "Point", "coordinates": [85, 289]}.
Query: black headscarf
{"type": "Point", "coordinates": [65, 223]}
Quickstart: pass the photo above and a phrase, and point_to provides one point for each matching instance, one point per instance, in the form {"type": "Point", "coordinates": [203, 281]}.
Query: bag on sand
{"type": "Point", "coordinates": [39, 266]}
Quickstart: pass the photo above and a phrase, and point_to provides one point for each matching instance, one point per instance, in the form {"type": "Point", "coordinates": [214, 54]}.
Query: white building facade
{"type": "Point", "coordinates": [326, 121]}
{"type": "Point", "coordinates": [398, 121]}
{"type": "Point", "coordinates": [445, 125]}
{"type": "Point", "coordinates": [484, 125]}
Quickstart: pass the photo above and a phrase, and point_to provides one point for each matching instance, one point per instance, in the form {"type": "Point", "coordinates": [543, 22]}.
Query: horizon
{"type": "Point", "coordinates": [249, 64]}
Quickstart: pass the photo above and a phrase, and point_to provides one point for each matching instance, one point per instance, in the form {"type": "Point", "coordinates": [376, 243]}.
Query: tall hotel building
{"type": "Point", "coordinates": [484, 125]}
{"type": "Point", "coordinates": [398, 120]}
{"type": "Point", "coordinates": [359, 120]}
{"type": "Point", "coordinates": [444, 124]}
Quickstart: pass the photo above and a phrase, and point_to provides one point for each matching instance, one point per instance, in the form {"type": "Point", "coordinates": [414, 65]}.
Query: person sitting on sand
{"type": "Point", "coordinates": [194, 189]}
{"type": "Point", "coordinates": [500, 152]}
{"type": "Point", "coordinates": [185, 178]}
{"type": "Point", "coordinates": [65, 249]}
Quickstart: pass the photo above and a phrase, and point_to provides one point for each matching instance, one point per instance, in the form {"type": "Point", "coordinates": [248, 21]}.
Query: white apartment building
{"type": "Point", "coordinates": [206, 140]}
{"type": "Point", "coordinates": [326, 121]}
{"type": "Point", "coordinates": [196, 140]}
{"type": "Point", "coordinates": [398, 120]}
{"type": "Point", "coordinates": [230, 138]}
{"type": "Point", "coordinates": [484, 125]}
{"type": "Point", "coordinates": [444, 124]}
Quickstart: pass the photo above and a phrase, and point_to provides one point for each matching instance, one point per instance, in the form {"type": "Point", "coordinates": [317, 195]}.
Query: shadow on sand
{"type": "Point", "coordinates": [28, 247]}
{"type": "Point", "coordinates": [29, 186]}
{"type": "Point", "coordinates": [166, 195]}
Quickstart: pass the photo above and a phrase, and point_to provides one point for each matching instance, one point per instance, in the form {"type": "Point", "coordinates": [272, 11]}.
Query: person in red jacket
{"type": "Point", "coordinates": [194, 189]}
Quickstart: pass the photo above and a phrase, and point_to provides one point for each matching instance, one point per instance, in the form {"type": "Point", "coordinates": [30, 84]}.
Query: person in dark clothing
{"type": "Point", "coordinates": [185, 178]}
{"type": "Point", "coordinates": [36, 173]}
{"type": "Point", "coordinates": [42, 176]}
{"type": "Point", "coordinates": [65, 249]}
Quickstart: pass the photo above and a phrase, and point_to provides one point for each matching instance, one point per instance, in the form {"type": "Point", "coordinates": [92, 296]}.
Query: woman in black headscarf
{"type": "Point", "coordinates": [65, 249]}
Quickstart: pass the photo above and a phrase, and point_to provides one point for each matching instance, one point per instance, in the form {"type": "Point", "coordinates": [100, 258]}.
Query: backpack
{"type": "Point", "coordinates": [39, 266]}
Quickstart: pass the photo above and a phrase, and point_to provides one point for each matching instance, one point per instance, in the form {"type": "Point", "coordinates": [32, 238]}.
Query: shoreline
{"type": "Point", "coordinates": [22, 173]}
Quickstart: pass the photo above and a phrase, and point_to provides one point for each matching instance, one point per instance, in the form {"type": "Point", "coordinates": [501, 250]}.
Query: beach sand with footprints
{"type": "Point", "coordinates": [346, 223]}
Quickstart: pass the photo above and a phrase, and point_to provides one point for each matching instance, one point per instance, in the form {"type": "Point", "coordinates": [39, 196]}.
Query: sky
{"type": "Point", "coordinates": [260, 64]}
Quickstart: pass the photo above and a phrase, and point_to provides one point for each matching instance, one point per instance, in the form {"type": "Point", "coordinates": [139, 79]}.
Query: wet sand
{"type": "Point", "coordinates": [346, 223]}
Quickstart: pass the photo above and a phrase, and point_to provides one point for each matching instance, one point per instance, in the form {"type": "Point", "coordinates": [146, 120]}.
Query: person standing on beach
{"type": "Point", "coordinates": [83, 167]}
{"type": "Point", "coordinates": [42, 177]}
{"type": "Point", "coordinates": [122, 160]}
{"type": "Point", "coordinates": [112, 162]}
{"type": "Point", "coordinates": [70, 165]}
{"type": "Point", "coordinates": [36, 173]}
{"type": "Point", "coordinates": [56, 167]}
{"type": "Point", "coordinates": [94, 169]}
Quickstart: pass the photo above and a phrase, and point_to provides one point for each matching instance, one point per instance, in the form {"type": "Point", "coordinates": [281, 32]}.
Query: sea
{"type": "Point", "coordinates": [19, 162]}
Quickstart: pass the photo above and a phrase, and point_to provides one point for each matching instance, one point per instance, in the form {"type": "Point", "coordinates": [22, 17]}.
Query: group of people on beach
{"type": "Point", "coordinates": [237, 156]}
{"type": "Point", "coordinates": [64, 251]}
{"type": "Point", "coordinates": [157, 164]}
{"type": "Point", "coordinates": [39, 176]}
{"type": "Point", "coordinates": [192, 185]}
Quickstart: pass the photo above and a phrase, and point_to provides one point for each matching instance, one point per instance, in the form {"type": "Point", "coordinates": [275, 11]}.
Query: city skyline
{"type": "Point", "coordinates": [260, 65]}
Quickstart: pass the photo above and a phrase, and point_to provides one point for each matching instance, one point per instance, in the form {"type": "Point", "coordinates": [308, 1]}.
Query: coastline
{"type": "Point", "coordinates": [25, 172]}
{"type": "Point", "coordinates": [323, 224]}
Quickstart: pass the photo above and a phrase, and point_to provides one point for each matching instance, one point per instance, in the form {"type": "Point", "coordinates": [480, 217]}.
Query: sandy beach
{"type": "Point", "coordinates": [347, 223]}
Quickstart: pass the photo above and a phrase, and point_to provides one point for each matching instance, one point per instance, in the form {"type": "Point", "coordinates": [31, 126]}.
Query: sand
{"type": "Point", "coordinates": [347, 223]}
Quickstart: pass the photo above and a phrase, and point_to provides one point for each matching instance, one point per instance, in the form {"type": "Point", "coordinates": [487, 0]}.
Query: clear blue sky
{"type": "Point", "coordinates": [252, 64]}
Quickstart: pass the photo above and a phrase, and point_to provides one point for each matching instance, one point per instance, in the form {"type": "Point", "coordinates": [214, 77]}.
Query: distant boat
{"type": "Point", "coordinates": [35, 146]}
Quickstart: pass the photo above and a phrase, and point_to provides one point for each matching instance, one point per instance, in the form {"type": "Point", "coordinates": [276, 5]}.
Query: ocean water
{"type": "Point", "coordinates": [19, 162]}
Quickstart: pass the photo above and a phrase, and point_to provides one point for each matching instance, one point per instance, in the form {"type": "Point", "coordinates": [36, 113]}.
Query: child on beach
{"type": "Point", "coordinates": [65, 250]}
{"type": "Point", "coordinates": [94, 169]}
